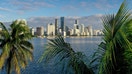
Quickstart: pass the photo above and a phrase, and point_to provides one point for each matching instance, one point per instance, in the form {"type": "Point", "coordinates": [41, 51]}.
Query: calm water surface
{"type": "Point", "coordinates": [87, 45]}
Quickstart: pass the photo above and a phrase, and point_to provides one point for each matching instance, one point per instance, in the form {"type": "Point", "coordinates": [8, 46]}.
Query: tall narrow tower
{"type": "Point", "coordinates": [90, 30]}
{"type": "Point", "coordinates": [56, 26]}
{"type": "Point", "coordinates": [62, 24]}
{"type": "Point", "coordinates": [76, 22]}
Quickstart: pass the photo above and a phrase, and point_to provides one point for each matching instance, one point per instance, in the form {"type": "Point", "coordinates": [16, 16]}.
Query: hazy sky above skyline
{"type": "Point", "coordinates": [17, 9]}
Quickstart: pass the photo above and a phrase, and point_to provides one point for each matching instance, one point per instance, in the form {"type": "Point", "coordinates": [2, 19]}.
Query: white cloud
{"type": "Point", "coordinates": [31, 5]}
{"type": "Point", "coordinates": [99, 4]}
{"type": "Point", "coordinates": [1, 16]}
{"type": "Point", "coordinates": [5, 9]}
{"type": "Point", "coordinates": [104, 4]}
{"type": "Point", "coordinates": [68, 7]}
{"type": "Point", "coordinates": [83, 4]}
{"type": "Point", "coordinates": [98, 15]}
{"type": "Point", "coordinates": [73, 17]}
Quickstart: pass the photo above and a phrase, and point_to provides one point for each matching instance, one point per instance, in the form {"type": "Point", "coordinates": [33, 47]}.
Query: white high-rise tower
{"type": "Point", "coordinates": [82, 29]}
{"type": "Point", "coordinates": [90, 30]}
{"type": "Point", "coordinates": [51, 29]}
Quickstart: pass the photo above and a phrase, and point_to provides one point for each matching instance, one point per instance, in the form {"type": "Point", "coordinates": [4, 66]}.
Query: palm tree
{"type": "Point", "coordinates": [117, 42]}
{"type": "Point", "coordinates": [62, 52]}
{"type": "Point", "coordinates": [16, 50]}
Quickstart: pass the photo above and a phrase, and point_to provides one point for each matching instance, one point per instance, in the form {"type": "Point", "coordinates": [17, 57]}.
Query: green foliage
{"type": "Point", "coordinates": [16, 49]}
{"type": "Point", "coordinates": [60, 50]}
{"type": "Point", "coordinates": [117, 46]}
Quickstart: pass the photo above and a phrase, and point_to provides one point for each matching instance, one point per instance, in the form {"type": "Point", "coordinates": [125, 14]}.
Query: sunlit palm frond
{"type": "Point", "coordinates": [116, 42]}
{"type": "Point", "coordinates": [16, 49]}
{"type": "Point", "coordinates": [4, 55]}
{"type": "Point", "coordinates": [56, 46]}
{"type": "Point", "coordinates": [60, 50]}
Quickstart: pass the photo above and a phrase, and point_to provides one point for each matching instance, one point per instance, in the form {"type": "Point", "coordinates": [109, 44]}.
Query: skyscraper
{"type": "Point", "coordinates": [76, 28]}
{"type": "Point", "coordinates": [76, 22]}
{"type": "Point", "coordinates": [90, 30]}
{"type": "Point", "coordinates": [40, 31]}
{"type": "Point", "coordinates": [51, 29]}
{"type": "Point", "coordinates": [56, 26]}
{"type": "Point", "coordinates": [62, 24]}
{"type": "Point", "coordinates": [32, 30]}
{"type": "Point", "coordinates": [82, 29]}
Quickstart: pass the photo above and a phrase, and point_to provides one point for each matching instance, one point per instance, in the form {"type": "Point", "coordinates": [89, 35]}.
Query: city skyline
{"type": "Point", "coordinates": [77, 30]}
{"type": "Point", "coordinates": [16, 9]}
{"type": "Point", "coordinates": [93, 20]}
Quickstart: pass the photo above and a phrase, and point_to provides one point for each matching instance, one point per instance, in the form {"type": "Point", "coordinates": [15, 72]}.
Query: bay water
{"type": "Point", "coordinates": [86, 45]}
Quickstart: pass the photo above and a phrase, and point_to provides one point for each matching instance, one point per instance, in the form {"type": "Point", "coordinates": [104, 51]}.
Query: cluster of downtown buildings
{"type": "Point", "coordinates": [77, 30]}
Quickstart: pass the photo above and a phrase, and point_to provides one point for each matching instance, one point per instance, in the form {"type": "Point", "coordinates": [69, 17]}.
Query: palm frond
{"type": "Point", "coordinates": [4, 55]}
{"type": "Point", "coordinates": [16, 50]}
{"type": "Point", "coordinates": [2, 26]}
{"type": "Point", "coordinates": [60, 50]}
{"type": "Point", "coordinates": [116, 42]}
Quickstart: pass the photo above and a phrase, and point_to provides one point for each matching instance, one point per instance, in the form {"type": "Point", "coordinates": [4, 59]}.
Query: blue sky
{"type": "Point", "coordinates": [17, 9]}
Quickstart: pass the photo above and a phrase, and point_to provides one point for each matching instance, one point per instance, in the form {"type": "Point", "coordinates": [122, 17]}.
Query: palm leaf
{"type": "Point", "coordinates": [16, 50]}
{"type": "Point", "coordinates": [116, 42]}
{"type": "Point", "coordinates": [60, 50]}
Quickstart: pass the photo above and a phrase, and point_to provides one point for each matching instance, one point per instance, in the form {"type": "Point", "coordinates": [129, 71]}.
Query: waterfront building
{"type": "Point", "coordinates": [82, 29]}
{"type": "Point", "coordinates": [40, 31]}
{"type": "Point", "coordinates": [71, 31]}
{"type": "Point", "coordinates": [76, 32]}
{"type": "Point", "coordinates": [66, 30]}
{"type": "Point", "coordinates": [68, 33]}
{"type": "Point", "coordinates": [51, 29]}
{"type": "Point", "coordinates": [90, 30]}
{"type": "Point", "coordinates": [86, 33]}
{"type": "Point", "coordinates": [32, 31]}
{"type": "Point", "coordinates": [62, 22]}
{"type": "Point", "coordinates": [97, 32]}
{"type": "Point", "coordinates": [76, 28]}
{"type": "Point", "coordinates": [60, 31]}
{"type": "Point", "coordinates": [64, 33]}
{"type": "Point", "coordinates": [76, 22]}
{"type": "Point", "coordinates": [56, 26]}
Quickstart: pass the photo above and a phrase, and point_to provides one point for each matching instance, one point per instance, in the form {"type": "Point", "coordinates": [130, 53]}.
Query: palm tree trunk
{"type": "Point", "coordinates": [9, 62]}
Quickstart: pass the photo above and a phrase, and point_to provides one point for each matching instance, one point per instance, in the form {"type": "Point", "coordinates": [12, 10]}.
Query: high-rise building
{"type": "Point", "coordinates": [72, 32]}
{"type": "Point", "coordinates": [40, 31]}
{"type": "Point", "coordinates": [56, 26]}
{"type": "Point", "coordinates": [32, 31]}
{"type": "Point", "coordinates": [76, 22]}
{"type": "Point", "coordinates": [86, 31]}
{"type": "Point", "coordinates": [82, 29]}
{"type": "Point", "coordinates": [90, 30]}
{"type": "Point", "coordinates": [62, 24]}
{"type": "Point", "coordinates": [51, 29]}
{"type": "Point", "coordinates": [66, 28]}
{"type": "Point", "coordinates": [76, 28]}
